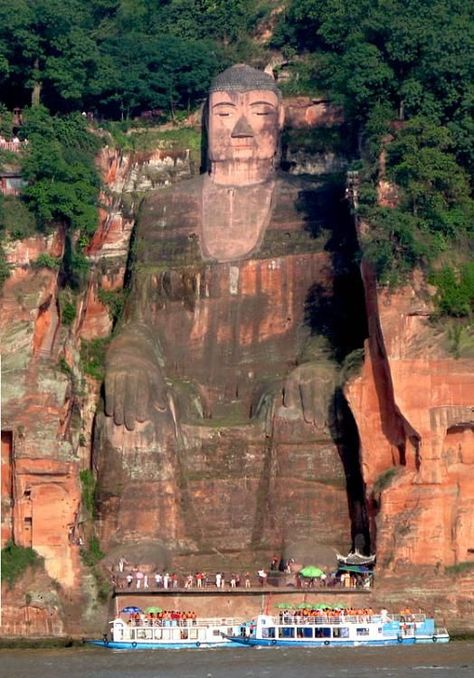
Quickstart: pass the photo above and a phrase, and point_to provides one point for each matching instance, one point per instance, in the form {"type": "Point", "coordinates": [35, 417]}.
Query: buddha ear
{"type": "Point", "coordinates": [281, 116]}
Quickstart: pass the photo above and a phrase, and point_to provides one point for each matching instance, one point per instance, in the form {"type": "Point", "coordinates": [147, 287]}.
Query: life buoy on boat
{"type": "Point", "coordinates": [326, 642]}
{"type": "Point", "coordinates": [435, 640]}
{"type": "Point", "coordinates": [399, 639]}
{"type": "Point", "coordinates": [134, 644]}
{"type": "Point", "coordinates": [273, 642]}
{"type": "Point", "coordinates": [198, 644]}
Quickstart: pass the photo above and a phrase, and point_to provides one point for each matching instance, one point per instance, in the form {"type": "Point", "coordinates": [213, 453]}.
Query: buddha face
{"type": "Point", "coordinates": [244, 126]}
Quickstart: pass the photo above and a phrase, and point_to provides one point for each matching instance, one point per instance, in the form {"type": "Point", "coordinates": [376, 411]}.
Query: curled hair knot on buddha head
{"type": "Point", "coordinates": [243, 78]}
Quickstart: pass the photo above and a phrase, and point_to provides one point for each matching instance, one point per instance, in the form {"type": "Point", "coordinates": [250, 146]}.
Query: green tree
{"type": "Point", "coordinates": [63, 183]}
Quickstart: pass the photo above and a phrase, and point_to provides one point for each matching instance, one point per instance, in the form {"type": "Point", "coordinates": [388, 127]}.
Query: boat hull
{"type": "Point", "coordinates": [127, 645]}
{"type": "Point", "coordinates": [383, 642]}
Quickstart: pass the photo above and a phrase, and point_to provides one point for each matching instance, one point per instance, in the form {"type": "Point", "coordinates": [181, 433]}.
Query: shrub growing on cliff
{"type": "Point", "coordinates": [16, 219]}
{"type": "Point", "coordinates": [464, 567]}
{"type": "Point", "coordinates": [17, 559]}
{"type": "Point", "coordinates": [46, 260]}
{"type": "Point", "coordinates": [4, 267]}
{"type": "Point", "coordinates": [93, 357]}
{"type": "Point", "coordinates": [385, 479]}
{"type": "Point", "coordinates": [455, 290]}
{"type": "Point", "coordinates": [93, 553]}
{"type": "Point", "coordinates": [114, 300]}
{"type": "Point", "coordinates": [88, 490]}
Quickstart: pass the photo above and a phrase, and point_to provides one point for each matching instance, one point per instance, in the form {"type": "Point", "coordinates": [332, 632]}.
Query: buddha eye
{"type": "Point", "coordinates": [223, 115]}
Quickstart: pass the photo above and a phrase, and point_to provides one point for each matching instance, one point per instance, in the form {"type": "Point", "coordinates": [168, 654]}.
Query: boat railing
{"type": "Point", "coordinates": [347, 619]}
{"type": "Point", "coordinates": [336, 620]}
{"type": "Point", "coordinates": [181, 623]}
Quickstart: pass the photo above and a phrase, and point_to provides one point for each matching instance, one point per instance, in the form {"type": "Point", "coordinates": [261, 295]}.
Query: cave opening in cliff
{"type": "Point", "coordinates": [338, 314]}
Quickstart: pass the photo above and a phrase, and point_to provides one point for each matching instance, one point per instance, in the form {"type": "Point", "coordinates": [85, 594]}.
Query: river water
{"type": "Point", "coordinates": [455, 659]}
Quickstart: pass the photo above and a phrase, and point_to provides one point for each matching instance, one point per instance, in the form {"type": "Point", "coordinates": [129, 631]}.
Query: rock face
{"type": "Point", "coordinates": [413, 404]}
{"type": "Point", "coordinates": [244, 471]}
{"type": "Point", "coordinates": [49, 403]}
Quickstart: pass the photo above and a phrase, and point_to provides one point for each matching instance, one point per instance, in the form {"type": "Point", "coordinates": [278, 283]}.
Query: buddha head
{"type": "Point", "coordinates": [245, 119]}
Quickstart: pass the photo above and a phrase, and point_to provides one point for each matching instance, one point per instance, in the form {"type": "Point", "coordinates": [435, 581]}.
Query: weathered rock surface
{"type": "Point", "coordinates": [414, 407]}
{"type": "Point", "coordinates": [242, 483]}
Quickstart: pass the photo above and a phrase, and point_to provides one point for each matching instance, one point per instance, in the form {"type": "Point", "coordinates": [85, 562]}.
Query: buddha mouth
{"type": "Point", "coordinates": [243, 147]}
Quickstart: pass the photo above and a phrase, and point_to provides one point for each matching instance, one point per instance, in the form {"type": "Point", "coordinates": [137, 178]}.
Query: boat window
{"type": "Point", "coordinates": [340, 632]}
{"type": "Point", "coordinates": [184, 634]}
{"type": "Point", "coordinates": [193, 634]}
{"type": "Point", "coordinates": [132, 634]}
{"type": "Point", "coordinates": [362, 631]}
{"type": "Point", "coordinates": [322, 632]}
{"type": "Point", "coordinates": [304, 632]}
{"type": "Point", "coordinates": [286, 632]}
{"type": "Point", "coordinates": [166, 634]}
{"type": "Point", "coordinates": [157, 634]}
{"type": "Point", "coordinates": [216, 632]}
{"type": "Point", "coordinates": [268, 632]}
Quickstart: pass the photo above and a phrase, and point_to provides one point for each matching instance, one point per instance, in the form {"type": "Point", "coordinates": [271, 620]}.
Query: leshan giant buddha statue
{"type": "Point", "coordinates": [215, 434]}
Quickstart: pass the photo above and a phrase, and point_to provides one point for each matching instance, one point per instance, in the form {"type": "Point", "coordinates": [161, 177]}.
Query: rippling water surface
{"type": "Point", "coordinates": [456, 660]}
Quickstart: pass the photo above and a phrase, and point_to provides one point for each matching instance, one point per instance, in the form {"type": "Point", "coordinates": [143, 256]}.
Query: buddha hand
{"type": "Point", "coordinates": [309, 388]}
{"type": "Point", "coordinates": [135, 389]}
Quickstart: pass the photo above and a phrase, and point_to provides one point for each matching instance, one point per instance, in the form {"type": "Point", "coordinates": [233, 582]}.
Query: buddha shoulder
{"type": "Point", "coordinates": [173, 208]}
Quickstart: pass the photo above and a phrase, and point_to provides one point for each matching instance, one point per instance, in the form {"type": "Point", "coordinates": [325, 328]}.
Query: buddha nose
{"type": "Point", "coordinates": [242, 129]}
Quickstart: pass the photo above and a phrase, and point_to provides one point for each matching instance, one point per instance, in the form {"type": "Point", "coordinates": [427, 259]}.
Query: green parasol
{"type": "Point", "coordinates": [284, 606]}
{"type": "Point", "coordinates": [153, 610]}
{"type": "Point", "coordinates": [303, 606]}
{"type": "Point", "coordinates": [311, 571]}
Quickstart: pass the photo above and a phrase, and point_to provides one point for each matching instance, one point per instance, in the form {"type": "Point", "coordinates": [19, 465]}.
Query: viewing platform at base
{"type": "Point", "coordinates": [240, 591]}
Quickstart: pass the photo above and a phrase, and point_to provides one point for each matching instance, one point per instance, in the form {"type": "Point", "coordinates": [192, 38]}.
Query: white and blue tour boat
{"type": "Point", "coordinates": [143, 634]}
{"type": "Point", "coordinates": [322, 630]}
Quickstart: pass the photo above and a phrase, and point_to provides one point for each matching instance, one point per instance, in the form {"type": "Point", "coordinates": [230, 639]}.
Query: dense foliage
{"type": "Point", "coordinates": [117, 57]}
{"type": "Point", "coordinates": [58, 165]}
{"type": "Point", "coordinates": [409, 61]}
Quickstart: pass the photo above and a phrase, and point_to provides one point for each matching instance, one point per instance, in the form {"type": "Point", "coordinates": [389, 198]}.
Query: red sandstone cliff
{"type": "Point", "coordinates": [412, 404]}
{"type": "Point", "coordinates": [414, 407]}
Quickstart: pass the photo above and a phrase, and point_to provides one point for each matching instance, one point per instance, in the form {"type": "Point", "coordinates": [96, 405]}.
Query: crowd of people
{"type": "Point", "coordinates": [310, 615]}
{"type": "Point", "coordinates": [285, 573]}
{"type": "Point", "coordinates": [163, 618]}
